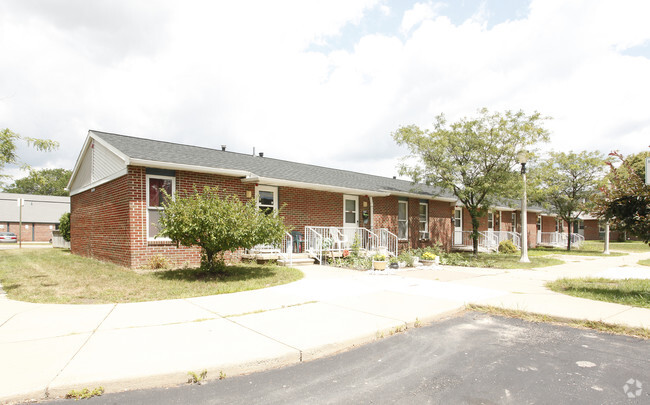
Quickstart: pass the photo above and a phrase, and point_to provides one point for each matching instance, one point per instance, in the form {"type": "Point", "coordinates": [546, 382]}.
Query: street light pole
{"type": "Point", "coordinates": [606, 251]}
{"type": "Point", "coordinates": [522, 156]}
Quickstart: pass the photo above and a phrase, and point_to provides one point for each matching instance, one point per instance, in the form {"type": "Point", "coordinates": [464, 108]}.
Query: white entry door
{"type": "Point", "coordinates": [350, 218]}
{"type": "Point", "coordinates": [458, 226]}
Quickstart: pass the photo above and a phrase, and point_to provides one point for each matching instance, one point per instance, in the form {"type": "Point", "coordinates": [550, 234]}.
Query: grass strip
{"type": "Point", "coordinates": [599, 326]}
{"type": "Point", "coordinates": [55, 276]}
{"type": "Point", "coordinates": [634, 292]}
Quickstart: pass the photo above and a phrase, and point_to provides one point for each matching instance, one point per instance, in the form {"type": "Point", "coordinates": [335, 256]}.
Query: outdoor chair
{"type": "Point", "coordinates": [298, 241]}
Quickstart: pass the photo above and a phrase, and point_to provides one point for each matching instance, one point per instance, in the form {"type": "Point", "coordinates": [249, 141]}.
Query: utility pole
{"type": "Point", "coordinates": [21, 202]}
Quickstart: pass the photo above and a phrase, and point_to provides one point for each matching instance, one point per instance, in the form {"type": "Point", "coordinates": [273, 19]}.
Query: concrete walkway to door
{"type": "Point", "coordinates": [54, 348]}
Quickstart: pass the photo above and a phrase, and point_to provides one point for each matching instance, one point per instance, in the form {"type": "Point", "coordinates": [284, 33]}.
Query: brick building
{"type": "Point", "coordinates": [117, 182]}
{"type": "Point", "coordinates": [40, 215]}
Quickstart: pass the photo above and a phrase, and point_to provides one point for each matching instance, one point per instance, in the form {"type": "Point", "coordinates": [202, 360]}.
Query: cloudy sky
{"type": "Point", "coordinates": [321, 82]}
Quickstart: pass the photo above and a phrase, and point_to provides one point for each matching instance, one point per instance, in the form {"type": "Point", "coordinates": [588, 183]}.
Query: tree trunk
{"type": "Point", "coordinates": [474, 234]}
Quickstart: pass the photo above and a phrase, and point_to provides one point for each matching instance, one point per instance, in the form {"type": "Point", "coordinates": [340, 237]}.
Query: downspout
{"type": "Point", "coordinates": [371, 213]}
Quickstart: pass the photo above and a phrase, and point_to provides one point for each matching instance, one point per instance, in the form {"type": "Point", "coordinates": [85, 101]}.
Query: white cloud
{"type": "Point", "coordinates": [243, 74]}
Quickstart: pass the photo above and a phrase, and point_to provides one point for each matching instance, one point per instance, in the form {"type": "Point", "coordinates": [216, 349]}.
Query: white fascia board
{"type": "Point", "coordinates": [189, 168]}
{"type": "Point", "coordinates": [84, 149]}
{"type": "Point", "coordinates": [99, 182]}
{"type": "Point", "coordinates": [421, 196]}
{"type": "Point", "coordinates": [312, 186]}
{"type": "Point", "coordinates": [110, 147]}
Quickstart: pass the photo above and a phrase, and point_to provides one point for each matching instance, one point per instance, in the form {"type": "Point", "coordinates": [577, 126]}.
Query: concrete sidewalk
{"type": "Point", "coordinates": [55, 348]}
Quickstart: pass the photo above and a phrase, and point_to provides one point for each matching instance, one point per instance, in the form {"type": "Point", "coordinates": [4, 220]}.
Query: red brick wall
{"type": "Point", "coordinates": [31, 232]}
{"type": "Point", "coordinates": [99, 222]}
{"type": "Point", "coordinates": [548, 223]}
{"type": "Point", "coordinates": [591, 231]}
{"type": "Point", "coordinates": [311, 208]}
{"type": "Point", "coordinates": [532, 229]}
{"type": "Point", "coordinates": [441, 224]}
{"type": "Point", "coordinates": [440, 221]}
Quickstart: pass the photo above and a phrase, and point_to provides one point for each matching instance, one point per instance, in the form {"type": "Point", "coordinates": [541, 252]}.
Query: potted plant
{"type": "Point", "coordinates": [379, 262]}
{"type": "Point", "coordinates": [429, 259]}
{"type": "Point", "coordinates": [393, 262]}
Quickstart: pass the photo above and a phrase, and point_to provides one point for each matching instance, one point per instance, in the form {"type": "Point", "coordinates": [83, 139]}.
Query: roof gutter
{"type": "Point", "coordinates": [189, 168]}
{"type": "Point", "coordinates": [312, 186]}
{"type": "Point", "coordinates": [421, 196]}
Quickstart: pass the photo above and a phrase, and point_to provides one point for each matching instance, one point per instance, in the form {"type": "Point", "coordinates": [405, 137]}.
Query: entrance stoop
{"type": "Point", "coordinates": [298, 259]}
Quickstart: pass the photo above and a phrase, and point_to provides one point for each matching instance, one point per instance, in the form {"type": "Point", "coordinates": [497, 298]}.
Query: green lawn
{"type": "Point", "coordinates": [645, 262]}
{"type": "Point", "coordinates": [633, 292]}
{"type": "Point", "coordinates": [56, 276]}
{"type": "Point", "coordinates": [588, 248]}
{"type": "Point", "coordinates": [497, 260]}
{"type": "Point", "coordinates": [630, 246]}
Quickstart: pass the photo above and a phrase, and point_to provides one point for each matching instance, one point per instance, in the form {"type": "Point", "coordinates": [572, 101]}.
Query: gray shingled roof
{"type": "Point", "coordinates": [168, 152]}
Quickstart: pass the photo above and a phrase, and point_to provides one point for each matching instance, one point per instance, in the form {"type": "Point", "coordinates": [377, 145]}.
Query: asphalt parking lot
{"type": "Point", "coordinates": [468, 359]}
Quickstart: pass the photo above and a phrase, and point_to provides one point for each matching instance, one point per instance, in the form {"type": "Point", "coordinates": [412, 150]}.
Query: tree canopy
{"type": "Point", "coordinates": [473, 157]}
{"type": "Point", "coordinates": [566, 182]}
{"type": "Point", "coordinates": [9, 145]}
{"type": "Point", "coordinates": [218, 224]}
{"type": "Point", "coordinates": [42, 182]}
{"type": "Point", "coordinates": [625, 198]}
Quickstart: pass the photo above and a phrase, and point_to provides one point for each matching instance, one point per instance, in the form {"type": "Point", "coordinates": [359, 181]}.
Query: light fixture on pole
{"type": "Point", "coordinates": [522, 157]}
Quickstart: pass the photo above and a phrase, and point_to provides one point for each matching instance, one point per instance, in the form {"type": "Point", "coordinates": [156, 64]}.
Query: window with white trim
{"type": "Point", "coordinates": [490, 220]}
{"type": "Point", "coordinates": [402, 220]}
{"type": "Point", "coordinates": [155, 199]}
{"type": "Point", "coordinates": [514, 222]}
{"type": "Point", "coordinates": [267, 198]}
{"type": "Point", "coordinates": [424, 220]}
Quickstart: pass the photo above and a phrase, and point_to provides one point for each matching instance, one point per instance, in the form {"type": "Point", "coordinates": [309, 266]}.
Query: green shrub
{"type": "Point", "coordinates": [506, 246]}
{"type": "Point", "coordinates": [64, 226]}
{"type": "Point", "coordinates": [407, 257]}
{"type": "Point", "coordinates": [379, 257]}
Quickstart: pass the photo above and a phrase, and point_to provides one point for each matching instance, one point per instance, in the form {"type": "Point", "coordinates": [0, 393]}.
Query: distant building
{"type": "Point", "coordinates": [40, 216]}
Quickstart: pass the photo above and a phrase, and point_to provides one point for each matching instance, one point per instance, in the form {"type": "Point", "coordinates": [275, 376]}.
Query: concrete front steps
{"type": "Point", "coordinates": [298, 259]}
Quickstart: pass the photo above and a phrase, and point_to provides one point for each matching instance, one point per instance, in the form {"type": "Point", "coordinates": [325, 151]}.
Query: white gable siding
{"type": "Point", "coordinates": [98, 165]}
{"type": "Point", "coordinates": [84, 174]}
{"type": "Point", "coordinates": [105, 162]}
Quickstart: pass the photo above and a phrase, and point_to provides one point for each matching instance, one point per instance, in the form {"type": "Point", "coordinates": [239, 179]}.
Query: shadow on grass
{"type": "Point", "coordinates": [230, 273]}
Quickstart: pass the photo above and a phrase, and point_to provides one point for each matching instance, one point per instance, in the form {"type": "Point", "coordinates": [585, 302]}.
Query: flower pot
{"type": "Point", "coordinates": [427, 262]}
{"type": "Point", "coordinates": [379, 265]}
{"type": "Point", "coordinates": [393, 266]}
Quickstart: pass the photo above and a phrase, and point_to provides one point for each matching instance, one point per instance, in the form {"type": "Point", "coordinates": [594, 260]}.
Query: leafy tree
{"type": "Point", "coordinates": [64, 226]}
{"type": "Point", "coordinates": [473, 157]}
{"type": "Point", "coordinates": [625, 198]}
{"type": "Point", "coordinates": [8, 147]}
{"type": "Point", "coordinates": [566, 183]}
{"type": "Point", "coordinates": [218, 224]}
{"type": "Point", "coordinates": [42, 182]}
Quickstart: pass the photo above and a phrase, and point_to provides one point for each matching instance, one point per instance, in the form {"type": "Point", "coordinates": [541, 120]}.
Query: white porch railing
{"type": "Point", "coordinates": [515, 237]}
{"type": "Point", "coordinates": [320, 239]}
{"type": "Point", "coordinates": [284, 250]}
{"type": "Point", "coordinates": [559, 239]}
{"type": "Point", "coordinates": [487, 240]}
{"type": "Point", "coordinates": [387, 240]}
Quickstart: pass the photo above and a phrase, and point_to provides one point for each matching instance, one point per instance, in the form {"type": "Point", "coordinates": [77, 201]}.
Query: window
{"type": "Point", "coordinates": [490, 221]}
{"type": "Point", "coordinates": [601, 227]}
{"type": "Point", "coordinates": [539, 223]}
{"type": "Point", "coordinates": [402, 219]}
{"type": "Point", "coordinates": [514, 222]}
{"type": "Point", "coordinates": [267, 198]}
{"type": "Point", "coordinates": [155, 199]}
{"type": "Point", "coordinates": [424, 220]}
